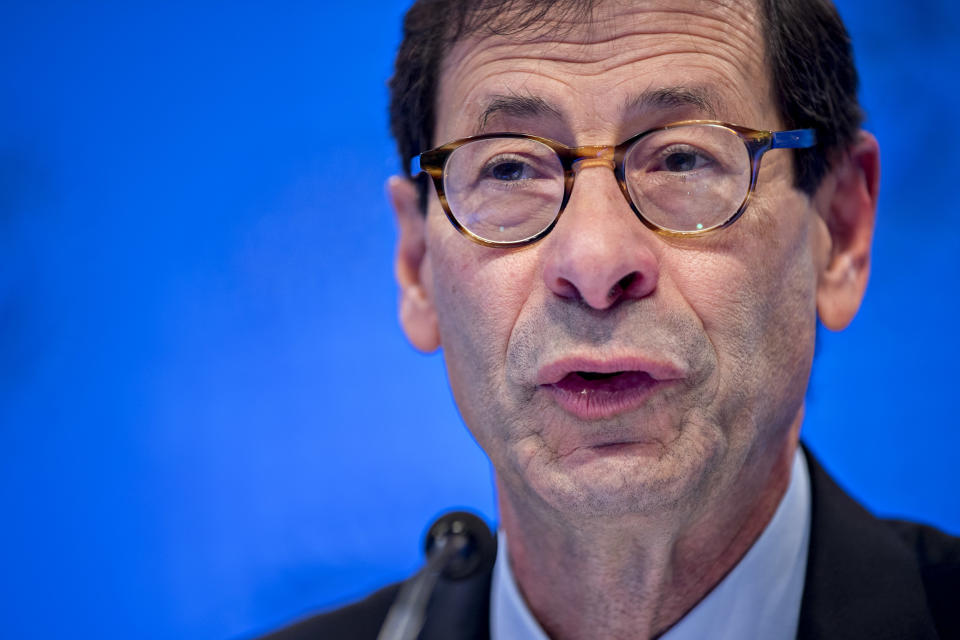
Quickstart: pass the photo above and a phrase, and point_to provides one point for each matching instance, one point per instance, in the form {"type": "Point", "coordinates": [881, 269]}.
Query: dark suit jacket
{"type": "Point", "coordinates": [866, 578]}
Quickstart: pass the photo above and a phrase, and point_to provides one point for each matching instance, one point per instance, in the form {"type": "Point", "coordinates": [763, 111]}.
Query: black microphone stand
{"type": "Point", "coordinates": [457, 545]}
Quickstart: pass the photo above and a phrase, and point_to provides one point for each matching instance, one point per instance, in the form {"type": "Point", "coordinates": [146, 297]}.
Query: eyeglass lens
{"type": "Point", "coordinates": [687, 178]}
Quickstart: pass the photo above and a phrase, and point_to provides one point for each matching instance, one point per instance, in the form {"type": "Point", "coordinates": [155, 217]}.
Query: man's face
{"type": "Point", "coordinates": [713, 336]}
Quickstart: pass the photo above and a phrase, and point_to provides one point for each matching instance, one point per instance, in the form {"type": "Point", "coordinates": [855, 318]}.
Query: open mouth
{"type": "Point", "coordinates": [593, 382]}
{"type": "Point", "coordinates": [594, 388]}
{"type": "Point", "coordinates": [593, 395]}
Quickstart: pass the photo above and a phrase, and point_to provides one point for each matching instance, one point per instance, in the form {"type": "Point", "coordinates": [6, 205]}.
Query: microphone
{"type": "Point", "coordinates": [458, 545]}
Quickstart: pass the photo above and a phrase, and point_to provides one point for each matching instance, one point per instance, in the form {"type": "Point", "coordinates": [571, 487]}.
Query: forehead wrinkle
{"type": "Point", "coordinates": [699, 94]}
{"type": "Point", "coordinates": [604, 25]}
{"type": "Point", "coordinates": [654, 45]}
{"type": "Point", "coordinates": [536, 63]}
{"type": "Point", "coordinates": [744, 26]}
{"type": "Point", "coordinates": [583, 44]}
{"type": "Point", "coordinates": [730, 39]}
{"type": "Point", "coordinates": [738, 55]}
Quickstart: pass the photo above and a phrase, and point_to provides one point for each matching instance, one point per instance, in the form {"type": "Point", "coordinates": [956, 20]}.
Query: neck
{"type": "Point", "coordinates": [636, 577]}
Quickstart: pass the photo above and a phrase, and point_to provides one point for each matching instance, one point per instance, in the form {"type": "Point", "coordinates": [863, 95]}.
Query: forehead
{"type": "Point", "coordinates": [629, 65]}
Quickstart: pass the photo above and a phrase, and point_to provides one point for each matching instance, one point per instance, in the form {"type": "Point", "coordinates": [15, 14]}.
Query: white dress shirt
{"type": "Point", "coordinates": [759, 598]}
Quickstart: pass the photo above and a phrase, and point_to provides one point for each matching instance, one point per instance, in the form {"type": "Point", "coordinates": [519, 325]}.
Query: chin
{"type": "Point", "coordinates": [635, 479]}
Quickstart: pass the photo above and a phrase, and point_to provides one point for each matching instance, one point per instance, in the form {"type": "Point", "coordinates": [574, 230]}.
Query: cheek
{"type": "Point", "coordinates": [717, 288]}
{"type": "Point", "coordinates": [756, 300]}
{"type": "Point", "coordinates": [478, 293]}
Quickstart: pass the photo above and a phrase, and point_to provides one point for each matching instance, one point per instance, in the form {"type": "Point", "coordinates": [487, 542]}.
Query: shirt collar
{"type": "Point", "coordinates": [759, 598]}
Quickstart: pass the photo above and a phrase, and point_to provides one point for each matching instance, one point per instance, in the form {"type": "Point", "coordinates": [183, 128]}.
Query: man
{"type": "Point", "coordinates": [626, 288]}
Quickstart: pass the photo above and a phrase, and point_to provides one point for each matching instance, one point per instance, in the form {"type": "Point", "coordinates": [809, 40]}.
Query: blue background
{"type": "Point", "coordinates": [209, 420]}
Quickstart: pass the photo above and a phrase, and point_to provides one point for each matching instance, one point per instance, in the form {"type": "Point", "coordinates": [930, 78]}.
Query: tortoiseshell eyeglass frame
{"type": "Point", "coordinates": [757, 142]}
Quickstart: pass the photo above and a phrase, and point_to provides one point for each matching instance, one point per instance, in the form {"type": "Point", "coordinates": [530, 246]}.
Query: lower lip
{"type": "Point", "coordinates": [590, 400]}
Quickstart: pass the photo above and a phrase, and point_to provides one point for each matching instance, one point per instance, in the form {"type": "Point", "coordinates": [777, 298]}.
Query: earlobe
{"type": "Point", "coordinates": [847, 201]}
{"type": "Point", "coordinates": [412, 269]}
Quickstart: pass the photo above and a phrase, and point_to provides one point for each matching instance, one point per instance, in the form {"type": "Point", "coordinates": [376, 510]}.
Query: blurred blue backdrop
{"type": "Point", "coordinates": [209, 420]}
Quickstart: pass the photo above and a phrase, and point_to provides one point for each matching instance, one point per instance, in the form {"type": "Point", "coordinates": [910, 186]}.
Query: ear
{"type": "Point", "coordinates": [847, 201]}
{"type": "Point", "coordinates": [417, 313]}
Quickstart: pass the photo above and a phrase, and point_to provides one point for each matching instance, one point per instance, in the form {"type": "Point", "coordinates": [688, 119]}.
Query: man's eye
{"type": "Point", "coordinates": [508, 170]}
{"type": "Point", "coordinates": [680, 162]}
{"type": "Point", "coordinates": [685, 159]}
{"type": "Point", "coordinates": [511, 167]}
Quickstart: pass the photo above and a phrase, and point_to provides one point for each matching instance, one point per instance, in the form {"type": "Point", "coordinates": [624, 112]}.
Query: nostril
{"type": "Point", "coordinates": [623, 285]}
{"type": "Point", "coordinates": [600, 277]}
{"type": "Point", "coordinates": [565, 289]}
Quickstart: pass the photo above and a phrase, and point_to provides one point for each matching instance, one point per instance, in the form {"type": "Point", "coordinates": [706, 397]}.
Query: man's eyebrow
{"type": "Point", "coordinates": [530, 106]}
{"type": "Point", "coordinates": [523, 106]}
{"type": "Point", "coordinates": [674, 98]}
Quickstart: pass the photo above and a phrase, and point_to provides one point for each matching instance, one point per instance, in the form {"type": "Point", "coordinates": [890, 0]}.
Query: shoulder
{"type": "Point", "coordinates": [457, 610]}
{"type": "Point", "coordinates": [359, 620]}
{"type": "Point", "coordinates": [932, 548]}
{"type": "Point", "coordinates": [873, 578]}
{"type": "Point", "coordinates": [938, 559]}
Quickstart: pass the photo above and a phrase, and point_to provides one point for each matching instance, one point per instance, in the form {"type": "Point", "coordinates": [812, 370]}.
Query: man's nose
{"type": "Point", "coordinates": [600, 252]}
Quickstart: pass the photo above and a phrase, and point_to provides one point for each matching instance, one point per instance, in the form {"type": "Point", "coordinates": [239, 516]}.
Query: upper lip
{"type": "Point", "coordinates": [557, 370]}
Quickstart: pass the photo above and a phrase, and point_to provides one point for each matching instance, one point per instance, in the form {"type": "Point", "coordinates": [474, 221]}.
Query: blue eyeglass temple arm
{"type": "Point", "coordinates": [796, 139]}
{"type": "Point", "coordinates": [415, 166]}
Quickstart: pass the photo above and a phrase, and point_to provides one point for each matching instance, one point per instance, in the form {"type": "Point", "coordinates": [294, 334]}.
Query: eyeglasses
{"type": "Point", "coordinates": [682, 179]}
